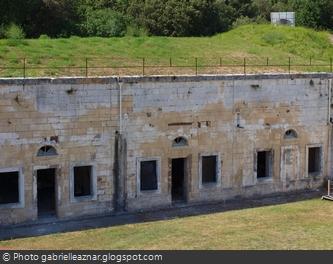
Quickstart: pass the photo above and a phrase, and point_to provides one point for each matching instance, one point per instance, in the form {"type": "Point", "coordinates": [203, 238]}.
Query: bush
{"type": "Point", "coordinates": [14, 35]}
{"type": "Point", "coordinates": [181, 18]}
{"type": "Point", "coordinates": [246, 20]}
{"type": "Point", "coordinates": [104, 23]}
{"type": "Point", "coordinates": [135, 31]}
{"type": "Point", "coordinates": [43, 36]}
{"type": "Point", "coordinates": [14, 32]}
{"type": "Point", "coordinates": [243, 20]}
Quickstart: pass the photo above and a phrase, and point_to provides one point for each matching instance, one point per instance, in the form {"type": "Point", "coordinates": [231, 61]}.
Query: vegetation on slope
{"type": "Point", "coordinates": [300, 225]}
{"type": "Point", "coordinates": [255, 42]}
{"type": "Point", "coordinates": [107, 18]}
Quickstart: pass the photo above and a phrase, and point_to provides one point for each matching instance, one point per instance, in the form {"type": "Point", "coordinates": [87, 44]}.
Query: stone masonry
{"type": "Point", "coordinates": [263, 134]}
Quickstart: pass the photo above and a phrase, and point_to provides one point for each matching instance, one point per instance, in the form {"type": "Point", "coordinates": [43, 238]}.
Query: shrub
{"type": "Point", "coordinates": [243, 20]}
{"type": "Point", "coordinates": [182, 18]}
{"type": "Point", "coordinates": [104, 23]}
{"type": "Point", "coordinates": [246, 20]}
{"type": "Point", "coordinates": [135, 31]}
{"type": "Point", "coordinates": [14, 32]}
{"type": "Point", "coordinates": [14, 35]}
{"type": "Point", "coordinates": [43, 36]}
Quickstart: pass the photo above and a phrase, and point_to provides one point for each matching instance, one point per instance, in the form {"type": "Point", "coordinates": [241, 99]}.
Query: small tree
{"type": "Point", "coordinates": [14, 32]}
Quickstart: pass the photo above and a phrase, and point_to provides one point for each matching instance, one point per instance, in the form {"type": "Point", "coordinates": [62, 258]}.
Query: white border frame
{"type": "Point", "coordinates": [271, 169]}
{"type": "Point", "coordinates": [21, 202]}
{"type": "Point", "coordinates": [320, 174]}
{"type": "Point", "coordinates": [57, 186]}
{"type": "Point", "coordinates": [158, 174]}
{"type": "Point", "coordinates": [218, 182]}
{"type": "Point", "coordinates": [93, 183]}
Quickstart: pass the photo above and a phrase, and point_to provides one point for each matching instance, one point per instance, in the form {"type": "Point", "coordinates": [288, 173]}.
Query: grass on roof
{"type": "Point", "coordinates": [255, 42]}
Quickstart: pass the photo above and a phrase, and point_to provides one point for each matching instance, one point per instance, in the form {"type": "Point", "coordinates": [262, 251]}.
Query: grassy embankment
{"type": "Point", "coordinates": [255, 42]}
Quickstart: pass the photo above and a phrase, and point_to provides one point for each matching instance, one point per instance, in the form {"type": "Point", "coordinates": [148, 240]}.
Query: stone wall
{"type": "Point", "coordinates": [79, 119]}
{"type": "Point", "coordinates": [231, 118]}
{"type": "Point", "coordinates": [113, 124]}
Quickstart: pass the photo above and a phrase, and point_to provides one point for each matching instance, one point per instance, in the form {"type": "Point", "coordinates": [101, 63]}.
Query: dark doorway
{"type": "Point", "coordinates": [314, 162]}
{"type": "Point", "coordinates": [46, 192]}
{"type": "Point", "coordinates": [178, 180]}
{"type": "Point", "coordinates": [264, 164]}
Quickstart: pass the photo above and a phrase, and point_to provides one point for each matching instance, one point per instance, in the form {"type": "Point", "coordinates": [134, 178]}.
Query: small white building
{"type": "Point", "coordinates": [283, 18]}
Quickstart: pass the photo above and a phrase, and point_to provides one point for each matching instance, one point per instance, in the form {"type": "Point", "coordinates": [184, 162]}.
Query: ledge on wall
{"type": "Point", "coordinates": [157, 78]}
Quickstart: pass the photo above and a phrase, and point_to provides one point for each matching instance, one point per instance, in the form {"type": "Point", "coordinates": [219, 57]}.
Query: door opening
{"type": "Point", "coordinates": [178, 179]}
{"type": "Point", "coordinates": [46, 192]}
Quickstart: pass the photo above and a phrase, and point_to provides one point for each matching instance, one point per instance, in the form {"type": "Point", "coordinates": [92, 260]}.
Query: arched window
{"type": "Point", "coordinates": [179, 142]}
{"type": "Point", "coordinates": [290, 134]}
{"type": "Point", "coordinates": [47, 151]}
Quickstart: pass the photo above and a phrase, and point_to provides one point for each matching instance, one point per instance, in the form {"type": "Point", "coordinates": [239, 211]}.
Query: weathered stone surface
{"type": "Point", "coordinates": [229, 116]}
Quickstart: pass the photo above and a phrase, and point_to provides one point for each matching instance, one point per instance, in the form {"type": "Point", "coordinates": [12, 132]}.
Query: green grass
{"type": "Point", "coordinates": [256, 42]}
{"type": "Point", "coordinates": [300, 225]}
